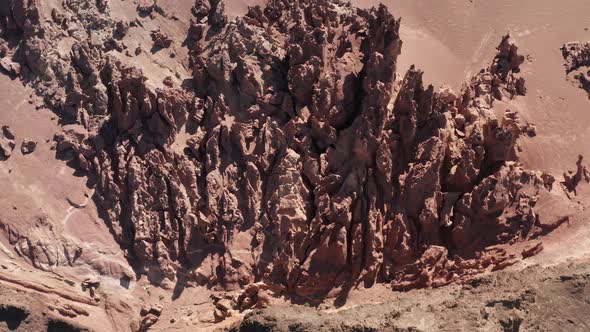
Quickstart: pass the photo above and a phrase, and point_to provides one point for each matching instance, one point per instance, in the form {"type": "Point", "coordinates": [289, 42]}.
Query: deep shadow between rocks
{"type": "Point", "coordinates": [12, 316]}
{"type": "Point", "coordinates": [61, 326]}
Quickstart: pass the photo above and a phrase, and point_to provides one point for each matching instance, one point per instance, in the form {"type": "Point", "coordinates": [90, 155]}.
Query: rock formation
{"type": "Point", "coordinates": [576, 55]}
{"type": "Point", "coordinates": [28, 146]}
{"type": "Point", "coordinates": [296, 157]}
{"type": "Point", "coordinates": [577, 63]}
{"type": "Point", "coordinates": [6, 142]}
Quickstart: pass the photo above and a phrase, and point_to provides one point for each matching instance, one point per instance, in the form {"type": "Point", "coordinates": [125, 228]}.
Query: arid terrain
{"type": "Point", "coordinates": [294, 165]}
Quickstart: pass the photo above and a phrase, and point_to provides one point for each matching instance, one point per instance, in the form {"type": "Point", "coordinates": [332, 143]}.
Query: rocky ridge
{"type": "Point", "coordinates": [295, 156]}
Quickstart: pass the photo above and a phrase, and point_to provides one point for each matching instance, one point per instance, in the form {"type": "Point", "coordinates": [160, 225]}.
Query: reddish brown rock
{"type": "Point", "coordinates": [28, 146]}
{"type": "Point", "coordinates": [573, 178]}
{"type": "Point", "coordinates": [301, 158]}
{"type": "Point", "coordinates": [10, 67]}
{"type": "Point", "coordinates": [577, 63]}
{"type": "Point", "coordinates": [7, 142]}
{"type": "Point", "coordinates": [161, 39]}
{"type": "Point", "coordinates": [532, 250]}
{"type": "Point", "coordinates": [145, 7]}
{"type": "Point", "coordinates": [576, 55]}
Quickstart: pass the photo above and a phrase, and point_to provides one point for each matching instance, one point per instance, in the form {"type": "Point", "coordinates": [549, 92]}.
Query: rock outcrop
{"type": "Point", "coordinates": [28, 146]}
{"type": "Point", "coordinates": [576, 55]}
{"type": "Point", "coordinates": [298, 158]}
{"type": "Point", "coordinates": [577, 63]}
{"type": "Point", "coordinates": [6, 142]}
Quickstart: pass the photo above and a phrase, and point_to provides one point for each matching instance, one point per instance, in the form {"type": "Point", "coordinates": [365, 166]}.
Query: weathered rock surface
{"type": "Point", "coordinates": [532, 299]}
{"type": "Point", "coordinates": [161, 40]}
{"type": "Point", "coordinates": [11, 67]}
{"type": "Point", "coordinates": [28, 146]}
{"type": "Point", "coordinates": [6, 142]}
{"type": "Point", "coordinates": [577, 63]}
{"type": "Point", "coordinates": [576, 55]}
{"type": "Point", "coordinates": [297, 157]}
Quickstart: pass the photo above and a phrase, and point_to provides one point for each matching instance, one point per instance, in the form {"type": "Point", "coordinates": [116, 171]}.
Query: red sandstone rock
{"type": "Point", "coordinates": [161, 39]}
{"type": "Point", "coordinates": [145, 7]}
{"type": "Point", "coordinates": [309, 163]}
{"type": "Point", "coordinates": [532, 250]}
{"type": "Point", "coordinates": [10, 67]}
{"type": "Point", "coordinates": [577, 62]}
{"type": "Point", "coordinates": [576, 55]}
{"type": "Point", "coordinates": [28, 146]}
{"type": "Point", "coordinates": [6, 142]}
{"type": "Point", "coordinates": [572, 179]}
